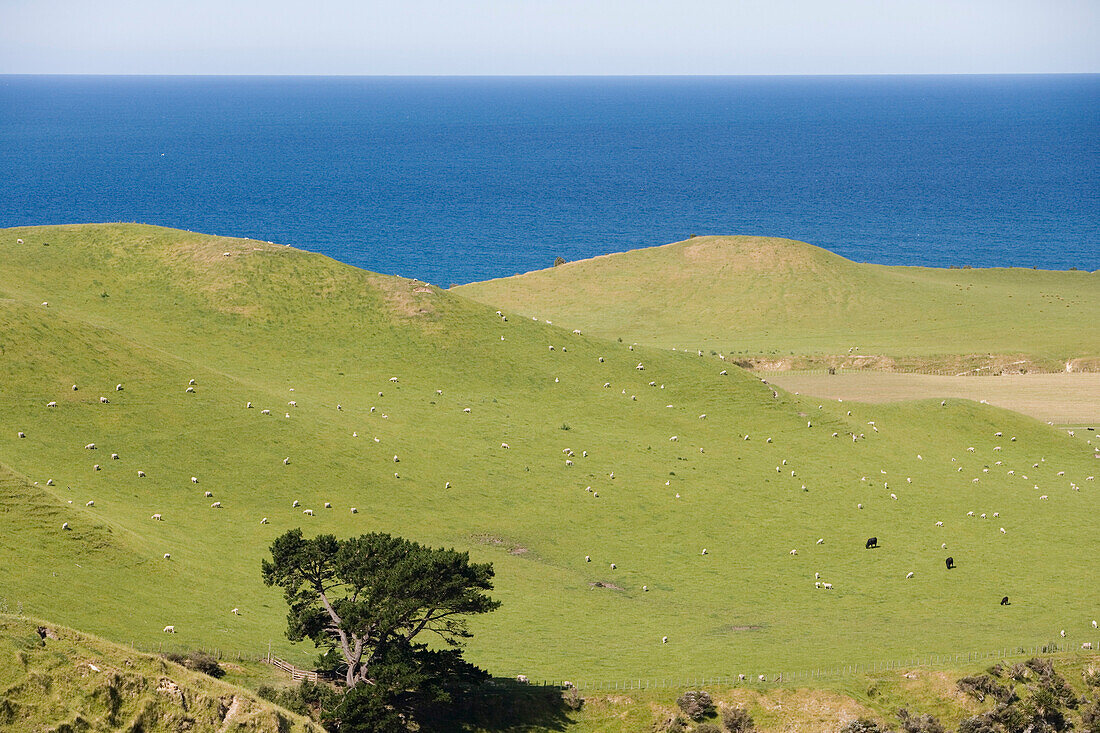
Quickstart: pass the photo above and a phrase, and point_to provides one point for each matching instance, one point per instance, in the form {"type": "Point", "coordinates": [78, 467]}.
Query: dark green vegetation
{"type": "Point", "coordinates": [56, 679]}
{"type": "Point", "coordinates": [152, 308]}
{"type": "Point", "coordinates": [374, 603]}
{"type": "Point", "coordinates": [780, 299]}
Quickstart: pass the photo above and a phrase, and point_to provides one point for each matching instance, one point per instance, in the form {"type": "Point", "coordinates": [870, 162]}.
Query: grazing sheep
{"type": "Point", "coordinates": [821, 541]}
{"type": "Point", "coordinates": [263, 521]}
{"type": "Point", "coordinates": [393, 379]}
{"type": "Point", "coordinates": [292, 403]}
{"type": "Point", "coordinates": [827, 586]}
{"type": "Point", "coordinates": [189, 389]}
{"type": "Point", "coordinates": [664, 639]}
{"type": "Point", "coordinates": [308, 512]}
{"type": "Point", "coordinates": [194, 479]}
{"type": "Point", "coordinates": [65, 525]}
{"type": "Point", "coordinates": [794, 552]}
{"type": "Point", "coordinates": [157, 517]}
{"type": "Point", "coordinates": [588, 558]}
{"type": "Point", "coordinates": [51, 404]}
{"type": "Point", "coordinates": [1063, 633]}
{"type": "Point", "coordinates": [894, 497]}
{"type": "Point", "coordinates": [90, 446]}
{"type": "Point", "coordinates": [49, 482]}
{"type": "Point", "coordinates": [95, 467]}
{"type": "Point", "coordinates": [761, 678]}
{"type": "Point", "coordinates": [265, 412]}
{"type": "Point", "coordinates": [216, 505]}
{"type": "Point", "coordinates": [286, 461]}
{"type": "Point", "coordinates": [704, 551]}
{"type": "Point", "coordinates": [328, 505]}
{"type": "Point", "coordinates": [191, 383]}
{"type": "Point", "coordinates": [1003, 530]}
{"type": "Point", "coordinates": [859, 506]}
{"type": "Point", "coordinates": [504, 445]}
{"type": "Point", "coordinates": [447, 485]}
{"type": "Point", "coordinates": [295, 504]}
{"type": "Point", "coordinates": [939, 524]}
{"type": "Point", "coordinates": [208, 494]}
{"type": "Point", "coordinates": [114, 456]}
{"type": "Point", "coordinates": [141, 474]}
{"type": "Point", "coordinates": [1087, 645]}
{"type": "Point", "coordinates": [465, 409]}
{"type": "Point", "coordinates": [722, 373]}
{"type": "Point", "coordinates": [169, 629]}
{"type": "Point", "coordinates": [74, 388]}
{"type": "Point", "coordinates": [236, 612]}
{"type": "Point", "coordinates": [613, 566]}
{"type": "Point", "coordinates": [22, 434]}
{"type": "Point", "coordinates": [909, 576]}
{"type": "Point", "coordinates": [248, 405]}
{"type": "Point", "coordinates": [354, 510]}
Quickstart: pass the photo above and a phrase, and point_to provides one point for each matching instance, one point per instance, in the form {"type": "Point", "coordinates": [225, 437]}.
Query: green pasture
{"type": "Point", "coordinates": [153, 308]}
{"type": "Point", "coordinates": [778, 297]}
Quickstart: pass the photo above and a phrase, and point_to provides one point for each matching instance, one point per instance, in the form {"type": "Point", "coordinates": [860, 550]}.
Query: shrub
{"type": "Point", "coordinates": [1092, 676]}
{"type": "Point", "coordinates": [737, 720]}
{"type": "Point", "coordinates": [197, 661]}
{"type": "Point", "coordinates": [1090, 718]}
{"type": "Point", "coordinates": [707, 728]}
{"type": "Point", "coordinates": [309, 698]}
{"type": "Point", "coordinates": [1019, 672]}
{"type": "Point", "coordinates": [696, 704]}
{"type": "Point", "coordinates": [572, 699]}
{"type": "Point", "coordinates": [559, 261]}
{"type": "Point", "coordinates": [977, 724]}
{"type": "Point", "coordinates": [980, 686]}
{"type": "Point", "coordinates": [919, 723]}
{"type": "Point", "coordinates": [862, 725]}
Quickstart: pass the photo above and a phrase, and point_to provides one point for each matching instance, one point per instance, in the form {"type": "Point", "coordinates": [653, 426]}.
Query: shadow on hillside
{"type": "Point", "coordinates": [508, 706]}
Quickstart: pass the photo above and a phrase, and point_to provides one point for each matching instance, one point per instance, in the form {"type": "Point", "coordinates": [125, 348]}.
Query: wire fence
{"type": "Point", "coordinates": [775, 678]}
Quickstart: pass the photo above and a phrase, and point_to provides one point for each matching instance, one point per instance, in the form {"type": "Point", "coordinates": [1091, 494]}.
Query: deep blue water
{"type": "Point", "coordinates": [458, 179]}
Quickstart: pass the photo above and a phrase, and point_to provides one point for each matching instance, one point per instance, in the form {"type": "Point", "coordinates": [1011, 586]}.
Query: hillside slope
{"type": "Point", "coordinates": [54, 678]}
{"type": "Point", "coordinates": [528, 445]}
{"type": "Point", "coordinates": [776, 297]}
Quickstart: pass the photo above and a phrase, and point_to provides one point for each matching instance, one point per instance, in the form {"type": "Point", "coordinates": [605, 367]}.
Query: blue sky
{"type": "Point", "coordinates": [549, 36]}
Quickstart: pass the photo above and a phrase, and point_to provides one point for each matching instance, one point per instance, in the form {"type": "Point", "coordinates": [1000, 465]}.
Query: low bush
{"type": "Point", "coordinates": [980, 686]}
{"type": "Point", "coordinates": [572, 699]}
{"type": "Point", "coordinates": [696, 704]}
{"type": "Point", "coordinates": [737, 720]}
{"type": "Point", "coordinates": [197, 661]}
{"type": "Point", "coordinates": [706, 728]}
{"type": "Point", "coordinates": [862, 725]}
{"type": "Point", "coordinates": [911, 723]}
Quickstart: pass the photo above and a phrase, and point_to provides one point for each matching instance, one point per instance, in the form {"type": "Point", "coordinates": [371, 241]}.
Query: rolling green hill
{"type": "Point", "coordinates": [757, 296]}
{"type": "Point", "coordinates": [320, 345]}
{"type": "Point", "coordinates": [64, 680]}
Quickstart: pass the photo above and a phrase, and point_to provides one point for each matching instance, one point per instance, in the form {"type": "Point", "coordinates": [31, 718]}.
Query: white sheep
{"type": "Point", "coordinates": [90, 446]}
{"type": "Point", "coordinates": [821, 541]}
{"type": "Point", "coordinates": [354, 510]}
{"type": "Point", "coordinates": [393, 379]}
{"type": "Point", "coordinates": [307, 512]}
{"type": "Point", "coordinates": [169, 629]}
{"type": "Point", "coordinates": [235, 611]}
{"type": "Point", "coordinates": [504, 445]}
{"type": "Point", "coordinates": [286, 461]}
{"type": "Point", "coordinates": [704, 551]}
{"type": "Point", "coordinates": [104, 400]}
{"type": "Point", "coordinates": [216, 505]}
{"type": "Point", "coordinates": [466, 410]}
{"type": "Point", "coordinates": [827, 586]}
{"type": "Point", "coordinates": [265, 412]}
{"type": "Point", "coordinates": [118, 388]}
{"type": "Point", "coordinates": [909, 576]}
{"type": "Point", "coordinates": [248, 405]}
{"type": "Point", "coordinates": [292, 403]}
{"type": "Point", "coordinates": [295, 504]}
{"type": "Point", "coordinates": [114, 456]}
{"type": "Point", "coordinates": [794, 552]}
{"type": "Point", "coordinates": [141, 474]}
{"type": "Point", "coordinates": [208, 494]}
{"type": "Point", "coordinates": [157, 518]}
{"type": "Point", "coordinates": [51, 404]}
{"type": "Point", "coordinates": [65, 525]}
{"type": "Point", "coordinates": [191, 383]}
{"type": "Point", "coordinates": [613, 566]}
{"type": "Point", "coordinates": [194, 479]}
{"type": "Point", "coordinates": [328, 505]}
{"type": "Point", "coordinates": [189, 389]}
{"type": "Point", "coordinates": [263, 521]}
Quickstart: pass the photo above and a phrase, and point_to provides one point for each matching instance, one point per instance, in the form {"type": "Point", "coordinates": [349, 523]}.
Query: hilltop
{"type": "Point", "coordinates": [527, 444]}
{"type": "Point", "coordinates": [771, 301]}
{"type": "Point", "coordinates": [55, 678]}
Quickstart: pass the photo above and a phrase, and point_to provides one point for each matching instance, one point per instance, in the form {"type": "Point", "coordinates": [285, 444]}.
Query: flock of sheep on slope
{"type": "Point", "coordinates": [570, 455]}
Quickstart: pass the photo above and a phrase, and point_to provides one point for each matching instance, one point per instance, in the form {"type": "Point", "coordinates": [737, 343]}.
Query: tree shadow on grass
{"type": "Point", "coordinates": [503, 705]}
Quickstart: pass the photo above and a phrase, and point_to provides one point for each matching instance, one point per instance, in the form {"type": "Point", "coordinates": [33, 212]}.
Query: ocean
{"type": "Point", "coordinates": [452, 180]}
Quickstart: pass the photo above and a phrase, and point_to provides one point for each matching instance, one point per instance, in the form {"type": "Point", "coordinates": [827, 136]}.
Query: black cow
{"type": "Point", "coordinates": [950, 563]}
{"type": "Point", "coordinates": [1004, 601]}
{"type": "Point", "coordinates": [872, 542]}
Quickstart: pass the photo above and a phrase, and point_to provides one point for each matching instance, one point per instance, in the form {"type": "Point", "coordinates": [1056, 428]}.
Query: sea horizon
{"type": "Point", "coordinates": [452, 179]}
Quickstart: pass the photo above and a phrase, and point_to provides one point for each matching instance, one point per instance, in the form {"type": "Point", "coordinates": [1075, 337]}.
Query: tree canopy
{"type": "Point", "coordinates": [371, 597]}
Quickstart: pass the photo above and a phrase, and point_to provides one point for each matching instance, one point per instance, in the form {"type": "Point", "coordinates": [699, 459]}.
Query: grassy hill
{"type": "Point", "coordinates": [151, 309]}
{"type": "Point", "coordinates": [66, 680]}
{"type": "Point", "coordinates": [757, 296]}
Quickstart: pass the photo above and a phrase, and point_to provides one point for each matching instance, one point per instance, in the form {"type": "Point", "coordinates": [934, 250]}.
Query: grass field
{"type": "Point", "coordinates": [74, 681]}
{"type": "Point", "coordinates": [1064, 399]}
{"type": "Point", "coordinates": [152, 308]}
{"type": "Point", "coordinates": [777, 298]}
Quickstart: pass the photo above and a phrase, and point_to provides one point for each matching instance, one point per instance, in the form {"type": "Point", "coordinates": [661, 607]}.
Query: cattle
{"type": "Point", "coordinates": [950, 562]}
{"type": "Point", "coordinates": [872, 542]}
{"type": "Point", "coordinates": [1004, 601]}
